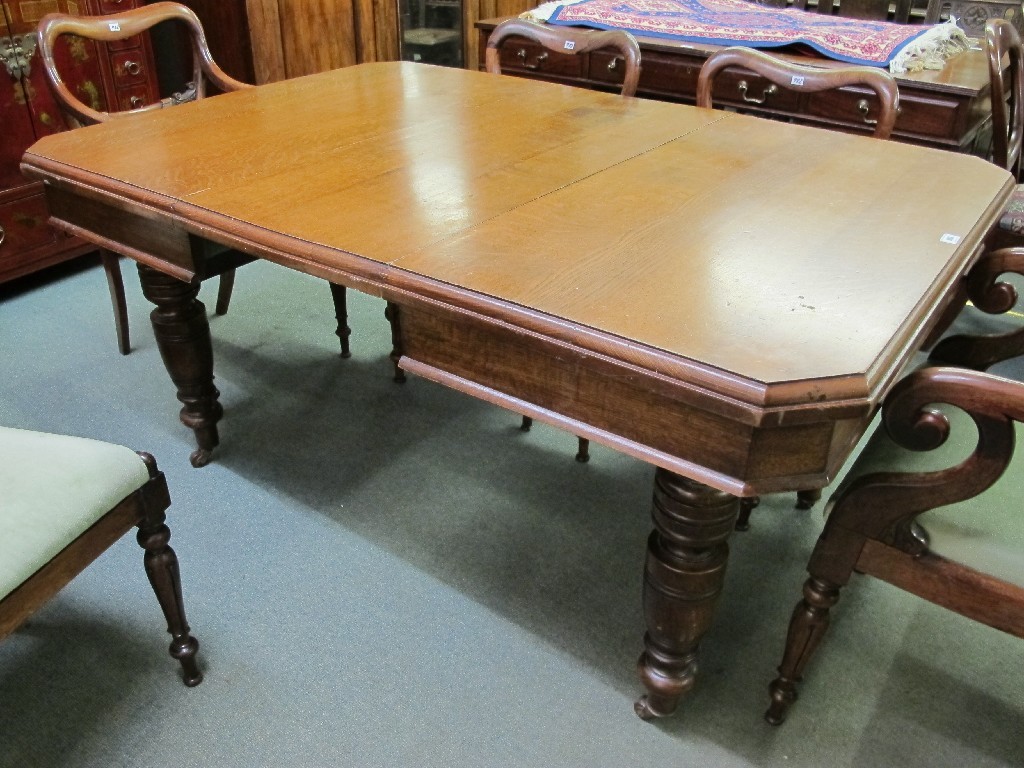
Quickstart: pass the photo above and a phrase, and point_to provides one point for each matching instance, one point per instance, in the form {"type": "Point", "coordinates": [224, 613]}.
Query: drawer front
{"type": "Point", "coordinates": [520, 55]}
{"type": "Point", "coordinates": [918, 116]}
{"type": "Point", "coordinates": [135, 41]}
{"type": "Point", "coordinates": [133, 97]}
{"type": "Point", "coordinates": [736, 88]}
{"type": "Point", "coordinates": [129, 67]}
{"type": "Point", "coordinates": [24, 230]}
{"type": "Point", "coordinates": [609, 67]}
{"type": "Point", "coordinates": [116, 6]}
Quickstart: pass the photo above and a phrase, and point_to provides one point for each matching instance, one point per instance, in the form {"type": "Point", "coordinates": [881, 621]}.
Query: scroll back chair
{"type": "Point", "coordinates": [574, 41]}
{"type": "Point", "coordinates": [65, 500]}
{"type": "Point", "coordinates": [567, 40]}
{"type": "Point", "coordinates": [900, 514]}
{"type": "Point", "coordinates": [983, 285]}
{"type": "Point", "coordinates": [783, 74]}
{"type": "Point", "coordinates": [217, 260]}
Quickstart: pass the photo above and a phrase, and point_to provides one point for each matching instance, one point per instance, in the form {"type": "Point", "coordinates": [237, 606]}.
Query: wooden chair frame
{"type": "Point", "coordinates": [783, 74]}
{"type": "Point", "coordinates": [126, 24]}
{"type": "Point", "coordinates": [145, 509]}
{"type": "Point", "coordinates": [872, 525]}
{"type": "Point", "coordinates": [567, 40]}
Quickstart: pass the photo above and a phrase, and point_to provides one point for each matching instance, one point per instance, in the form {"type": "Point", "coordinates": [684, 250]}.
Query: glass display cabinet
{"type": "Point", "coordinates": [431, 31]}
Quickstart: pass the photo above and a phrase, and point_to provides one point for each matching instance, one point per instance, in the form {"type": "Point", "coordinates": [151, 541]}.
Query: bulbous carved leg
{"type": "Point", "coordinates": [685, 569]}
{"type": "Point", "coordinates": [806, 628]}
{"type": "Point", "coordinates": [183, 336]}
{"type": "Point", "coordinates": [392, 312]}
{"type": "Point", "coordinates": [162, 569]}
{"type": "Point", "coordinates": [338, 295]}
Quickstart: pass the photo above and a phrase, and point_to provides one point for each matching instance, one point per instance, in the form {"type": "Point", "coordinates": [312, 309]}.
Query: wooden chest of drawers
{"type": "Point", "coordinates": [947, 109]}
{"type": "Point", "coordinates": [111, 77]}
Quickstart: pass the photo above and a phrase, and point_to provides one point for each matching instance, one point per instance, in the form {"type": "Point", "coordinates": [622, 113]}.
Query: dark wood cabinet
{"type": "Point", "coordinates": [109, 77]}
{"type": "Point", "coordinates": [947, 109]}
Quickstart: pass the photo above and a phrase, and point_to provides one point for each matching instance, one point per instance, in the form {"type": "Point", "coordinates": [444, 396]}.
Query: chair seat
{"type": "Point", "coordinates": [52, 489]}
{"type": "Point", "coordinates": [1012, 219]}
{"type": "Point", "coordinates": [985, 533]}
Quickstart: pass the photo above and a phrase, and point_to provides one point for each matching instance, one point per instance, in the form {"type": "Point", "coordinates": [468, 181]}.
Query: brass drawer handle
{"type": "Point", "coordinates": [863, 107]}
{"type": "Point", "coordinates": [132, 67]}
{"type": "Point", "coordinates": [537, 64]}
{"type": "Point", "coordinates": [614, 63]}
{"type": "Point", "coordinates": [136, 101]}
{"type": "Point", "coordinates": [770, 90]}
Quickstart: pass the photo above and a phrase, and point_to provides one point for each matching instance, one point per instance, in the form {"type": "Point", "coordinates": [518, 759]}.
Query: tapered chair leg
{"type": "Point", "coordinates": [341, 313]}
{"type": "Point", "coordinates": [227, 283]}
{"type": "Point", "coordinates": [526, 424]}
{"type": "Point", "coordinates": [806, 628]}
{"type": "Point", "coordinates": [583, 452]}
{"type": "Point", "coordinates": [162, 569]}
{"type": "Point", "coordinates": [112, 268]}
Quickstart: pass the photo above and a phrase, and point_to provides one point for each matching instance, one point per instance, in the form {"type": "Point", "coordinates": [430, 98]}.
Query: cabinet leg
{"type": "Point", "coordinates": [683, 576]}
{"type": "Point", "coordinates": [183, 337]}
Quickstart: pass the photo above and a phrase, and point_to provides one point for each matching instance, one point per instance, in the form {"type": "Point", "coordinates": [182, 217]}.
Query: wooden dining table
{"type": "Point", "coordinates": [725, 297]}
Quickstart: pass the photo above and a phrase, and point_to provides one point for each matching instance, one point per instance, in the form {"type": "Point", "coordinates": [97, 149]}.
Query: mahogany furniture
{"type": "Point", "coordinates": [517, 226]}
{"type": "Point", "coordinates": [205, 73]}
{"type": "Point", "coordinates": [983, 285]}
{"type": "Point", "coordinates": [896, 516]}
{"type": "Point", "coordinates": [576, 42]}
{"type": "Point", "coordinates": [27, 111]}
{"type": "Point", "coordinates": [65, 501]}
{"type": "Point", "coordinates": [780, 73]}
{"type": "Point", "coordinates": [568, 40]}
{"type": "Point", "coordinates": [947, 109]}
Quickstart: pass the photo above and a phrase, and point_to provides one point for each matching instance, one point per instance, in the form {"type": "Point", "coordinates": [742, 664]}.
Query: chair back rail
{"type": "Point", "coordinates": [567, 40]}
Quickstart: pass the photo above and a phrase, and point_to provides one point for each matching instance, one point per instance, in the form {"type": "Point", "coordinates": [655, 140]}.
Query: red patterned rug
{"type": "Point", "coordinates": [901, 47]}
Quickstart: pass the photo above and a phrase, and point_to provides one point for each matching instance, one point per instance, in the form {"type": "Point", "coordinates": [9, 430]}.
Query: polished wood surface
{"type": "Point", "coordinates": [397, 187]}
{"type": "Point", "coordinates": [725, 297]}
{"type": "Point", "coordinates": [945, 108]}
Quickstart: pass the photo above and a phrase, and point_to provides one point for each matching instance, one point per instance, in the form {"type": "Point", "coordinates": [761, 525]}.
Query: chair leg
{"type": "Point", "coordinates": [162, 569]}
{"type": "Point", "coordinates": [341, 313]}
{"type": "Point", "coordinates": [227, 283]}
{"type": "Point", "coordinates": [112, 267]}
{"type": "Point", "coordinates": [746, 507]}
{"type": "Point", "coordinates": [526, 424]}
{"type": "Point", "coordinates": [807, 499]}
{"type": "Point", "coordinates": [583, 452]}
{"type": "Point", "coordinates": [806, 628]}
{"type": "Point", "coordinates": [392, 312]}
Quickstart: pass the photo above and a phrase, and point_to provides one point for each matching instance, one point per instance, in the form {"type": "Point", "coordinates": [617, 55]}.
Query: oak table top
{"type": "Point", "coordinates": [726, 297]}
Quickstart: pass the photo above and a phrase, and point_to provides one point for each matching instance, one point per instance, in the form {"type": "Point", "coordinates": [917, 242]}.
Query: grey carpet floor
{"type": "Point", "coordinates": [395, 575]}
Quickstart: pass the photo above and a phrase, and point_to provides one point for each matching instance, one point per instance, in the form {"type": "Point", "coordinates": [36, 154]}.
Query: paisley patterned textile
{"type": "Point", "coordinates": [1013, 215]}
{"type": "Point", "coordinates": [739, 22]}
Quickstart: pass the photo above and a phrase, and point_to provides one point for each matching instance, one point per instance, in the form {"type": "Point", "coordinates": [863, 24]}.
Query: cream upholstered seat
{"type": "Point", "coordinates": [63, 501]}
{"type": "Point", "coordinates": [947, 437]}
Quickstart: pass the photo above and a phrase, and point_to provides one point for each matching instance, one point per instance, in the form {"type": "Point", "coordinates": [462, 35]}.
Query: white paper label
{"type": "Point", "coordinates": [114, 26]}
{"type": "Point", "coordinates": [951, 239]}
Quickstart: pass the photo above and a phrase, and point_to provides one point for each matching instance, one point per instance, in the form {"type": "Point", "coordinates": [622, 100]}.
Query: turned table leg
{"type": "Point", "coordinates": [685, 569]}
{"type": "Point", "coordinates": [183, 336]}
